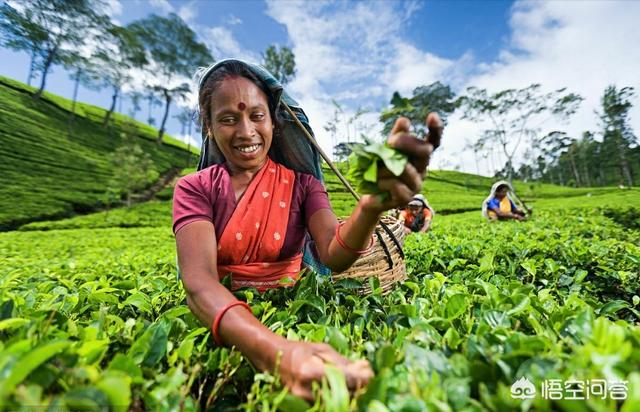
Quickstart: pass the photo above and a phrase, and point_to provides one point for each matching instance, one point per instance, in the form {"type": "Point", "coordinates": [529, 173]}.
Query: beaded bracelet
{"type": "Point", "coordinates": [348, 248]}
{"type": "Point", "coordinates": [218, 318]}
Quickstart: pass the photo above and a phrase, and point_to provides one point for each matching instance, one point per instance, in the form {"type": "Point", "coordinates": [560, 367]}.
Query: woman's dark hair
{"type": "Point", "coordinates": [232, 68]}
{"type": "Point", "coordinates": [502, 186]}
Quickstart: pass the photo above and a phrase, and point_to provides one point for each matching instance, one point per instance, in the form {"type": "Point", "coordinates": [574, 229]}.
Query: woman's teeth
{"type": "Point", "coordinates": [248, 149]}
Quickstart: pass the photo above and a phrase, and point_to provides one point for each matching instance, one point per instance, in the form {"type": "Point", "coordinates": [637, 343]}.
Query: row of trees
{"type": "Point", "coordinates": [610, 156]}
{"type": "Point", "coordinates": [152, 58]}
{"type": "Point", "coordinates": [512, 120]}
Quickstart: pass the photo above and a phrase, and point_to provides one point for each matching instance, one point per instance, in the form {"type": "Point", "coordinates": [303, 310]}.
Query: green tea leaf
{"type": "Point", "coordinates": [334, 390]}
{"type": "Point", "coordinates": [152, 345]}
{"type": "Point", "coordinates": [612, 307]}
{"type": "Point", "coordinates": [371, 174]}
{"type": "Point", "coordinates": [140, 301]}
{"type": "Point", "coordinates": [456, 306]}
{"type": "Point", "coordinates": [292, 403]}
{"type": "Point", "coordinates": [12, 323]}
{"type": "Point", "coordinates": [28, 363]}
{"type": "Point", "coordinates": [363, 165]}
{"type": "Point", "coordinates": [121, 362]}
{"type": "Point", "coordinates": [117, 387]}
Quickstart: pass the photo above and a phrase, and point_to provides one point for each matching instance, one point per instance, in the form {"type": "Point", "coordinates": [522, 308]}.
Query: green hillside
{"type": "Point", "coordinates": [46, 173]}
{"type": "Point", "coordinates": [450, 193]}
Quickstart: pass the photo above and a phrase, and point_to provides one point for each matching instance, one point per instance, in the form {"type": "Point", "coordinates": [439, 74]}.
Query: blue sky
{"type": "Point", "coordinates": [358, 53]}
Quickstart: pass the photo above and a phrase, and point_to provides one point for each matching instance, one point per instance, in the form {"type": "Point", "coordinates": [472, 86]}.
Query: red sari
{"type": "Point", "coordinates": [251, 242]}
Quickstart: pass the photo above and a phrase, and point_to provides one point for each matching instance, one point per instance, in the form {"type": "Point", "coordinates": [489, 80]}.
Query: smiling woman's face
{"type": "Point", "coordinates": [241, 124]}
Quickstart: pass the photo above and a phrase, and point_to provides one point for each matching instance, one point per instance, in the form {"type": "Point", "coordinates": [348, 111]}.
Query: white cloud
{"type": "Point", "coordinates": [232, 20]}
{"type": "Point", "coordinates": [162, 5]}
{"type": "Point", "coordinates": [223, 44]}
{"type": "Point", "coordinates": [16, 5]}
{"type": "Point", "coordinates": [188, 12]}
{"type": "Point", "coordinates": [583, 46]}
{"type": "Point", "coordinates": [193, 140]}
{"type": "Point", "coordinates": [412, 67]}
{"type": "Point", "coordinates": [151, 76]}
{"type": "Point", "coordinates": [354, 53]}
{"type": "Point", "coordinates": [113, 8]}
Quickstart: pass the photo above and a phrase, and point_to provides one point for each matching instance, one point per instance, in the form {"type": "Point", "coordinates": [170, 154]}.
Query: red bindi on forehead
{"type": "Point", "coordinates": [241, 106]}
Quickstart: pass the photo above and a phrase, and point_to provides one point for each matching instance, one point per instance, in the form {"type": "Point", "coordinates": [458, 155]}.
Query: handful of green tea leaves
{"type": "Point", "coordinates": [363, 164]}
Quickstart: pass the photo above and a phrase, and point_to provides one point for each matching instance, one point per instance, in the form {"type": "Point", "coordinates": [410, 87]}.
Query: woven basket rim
{"type": "Point", "coordinates": [375, 262]}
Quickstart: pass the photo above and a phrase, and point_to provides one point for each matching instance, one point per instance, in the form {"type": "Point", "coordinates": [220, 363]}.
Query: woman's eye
{"type": "Point", "coordinates": [227, 120]}
{"type": "Point", "coordinates": [258, 116]}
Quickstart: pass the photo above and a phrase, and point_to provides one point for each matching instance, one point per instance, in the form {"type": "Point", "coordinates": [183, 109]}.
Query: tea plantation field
{"type": "Point", "coordinates": [49, 170]}
{"type": "Point", "coordinates": [92, 317]}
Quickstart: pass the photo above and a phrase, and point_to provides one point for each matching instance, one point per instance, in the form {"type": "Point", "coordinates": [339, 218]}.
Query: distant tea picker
{"type": "Point", "coordinates": [256, 209]}
{"type": "Point", "coordinates": [418, 215]}
{"type": "Point", "coordinates": [499, 205]}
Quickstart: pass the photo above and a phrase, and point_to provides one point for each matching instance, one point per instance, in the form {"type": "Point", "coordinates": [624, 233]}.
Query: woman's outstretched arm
{"type": "Point", "coordinates": [358, 228]}
{"type": "Point", "coordinates": [300, 363]}
{"type": "Point", "coordinates": [197, 246]}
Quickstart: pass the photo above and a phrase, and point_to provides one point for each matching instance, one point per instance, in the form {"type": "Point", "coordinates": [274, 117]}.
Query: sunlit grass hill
{"type": "Point", "coordinates": [47, 172]}
{"type": "Point", "coordinates": [452, 194]}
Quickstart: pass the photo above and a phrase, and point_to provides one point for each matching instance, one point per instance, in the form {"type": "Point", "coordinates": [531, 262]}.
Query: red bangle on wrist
{"type": "Point", "coordinates": [218, 318]}
{"type": "Point", "coordinates": [348, 248]}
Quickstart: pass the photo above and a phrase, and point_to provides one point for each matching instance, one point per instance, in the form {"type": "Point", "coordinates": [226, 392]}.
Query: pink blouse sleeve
{"type": "Point", "coordinates": [190, 202]}
{"type": "Point", "coordinates": [316, 199]}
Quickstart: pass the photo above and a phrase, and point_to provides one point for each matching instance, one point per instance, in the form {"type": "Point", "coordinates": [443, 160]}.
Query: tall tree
{"type": "Point", "coordinates": [341, 151]}
{"type": "Point", "coordinates": [586, 156]}
{"type": "Point", "coordinates": [555, 146]}
{"type": "Point", "coordinates": [20, 32]}
{"type": "Point", "coordinates": [184, 117]}
{"type": "Point", "coordinates": [436, 97]}
{"type": "Point", "coordinates": [152, 100]}
{"type": "Point", "coordinates": [136, 97]}
{"type": "Point", "coordinates": [589, 161]}
{"type": "Point", "coordinates": [331, 126]}
{"type": "Point", "coordinates": [281, 62]}
{"type": "Point", "coordinates": [511, 114]}
{"type": "Point", "coordinates": [614, 117]}
{"type": "Point", "coordinates": [120, 52]}
{"type": "Point", "coordinates": [81, 64]}
{"type": "Point", "coordinates": [48, 29]}
{"type": "Point", "coordinates": [176, 54]}
{"type": "Point", "coordinates": [82, 72]}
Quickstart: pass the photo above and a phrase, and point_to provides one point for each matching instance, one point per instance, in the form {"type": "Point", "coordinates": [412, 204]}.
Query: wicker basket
{"type": "Point", "coordinates": [384, 261]}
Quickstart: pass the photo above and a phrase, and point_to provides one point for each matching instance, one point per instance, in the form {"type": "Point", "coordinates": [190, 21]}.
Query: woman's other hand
{"type": "Point", "coordinates": [402, 188]}
{"type": "Point", "coordinates": [303, 363]}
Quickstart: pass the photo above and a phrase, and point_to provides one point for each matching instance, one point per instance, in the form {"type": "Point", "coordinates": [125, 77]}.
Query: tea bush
{"type": "Point", "coordinates": [94, 318]}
